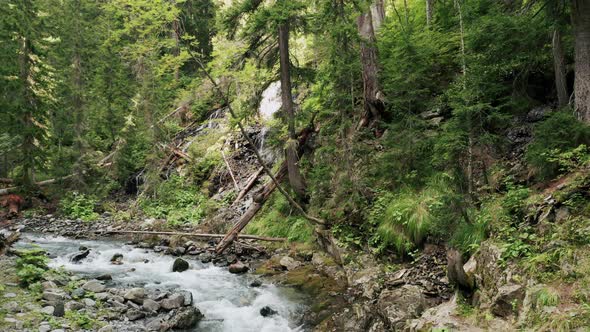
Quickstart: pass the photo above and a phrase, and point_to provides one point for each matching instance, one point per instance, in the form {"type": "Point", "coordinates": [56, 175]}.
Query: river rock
{"type": "Point", "coordinates": [80, 256]}
{"type": "Point", "coordinates": [256, 283]}
{"type": "Point", "coordinates": [180, 265]}
{"type": "Point", "coordinates": [508, 299]}
{"type": "Point", "coordinates": [106, 328]}
{"type": "Point", "coordinates": [151, 305]}
{"type": "Point", "coordinates": [117, 259]}
{"type": "Point", "coordinates": [78, 293]}
{"type": "Point", "coordinates": [178, 251]}
{"type": "Point", "coordinates": [136, 295]}
{"type": "Point", "coordinates": [94, 286]}
{"type": "Point", "coordinates": [105, 276]}
{"type": "Point", "coordinates": [188, 297]}
{"type": "Point", "coordinates": [185, 318]}
{"type": "Point", "coordinates": [89, 302]}
{"type": "Point", "coordinates": [9, 295]}
{"type": "Point", "coordinates": [160, 248]}
{"type": "Point", "coordinates": [48, 310]}
{"type": "Point", "coordinates": [230, 259]}
{"type": "Point", "coordinates": [11, 306]}
{"type": "Point", "coordinates": [267, 311]}
{"type": "Point", "coordinates": [134, 314]}
{"type": "Point", "coordinates": [48, 285]}
{"type": "Point", "coordinates": [238, 268]}
{"type": "Point", "coordinates": [400, 304]}
{"type": "Point", "coordinates": [101, 296]}
{"type": "Point", "coordinates": [205, 257]}
{"type": "Point", "coordinates": [59, 309]}
{"type": "Point", "coordinates": [73, 306]}
{"type": "Point", "coordinates": [156, 324]}
{"type": "Point", "coordinates": [173, 301]}
{"type": "Point", "coordinates": [52, 296]}
{"type": "Point", "coordinates": [289, 263]}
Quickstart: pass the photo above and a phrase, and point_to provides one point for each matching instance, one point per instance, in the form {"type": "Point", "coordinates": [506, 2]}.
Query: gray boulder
{"type": "Point", "coordinates": [151, 305]}
{"type": "Point", "coordinates": [180, 265]}
{"type": "Point", "coordinates": [508, 300]}
{"type": "Point", "coordinates": [185, 318]}
{"type": "Point", "coordinates": [172, 302]}
{"type": "Point", "coordinates": [94, 286]}
{"type": "Point", "coordinates": [136, 295]}
{"type": "Point", "coordinates": [238, 268]}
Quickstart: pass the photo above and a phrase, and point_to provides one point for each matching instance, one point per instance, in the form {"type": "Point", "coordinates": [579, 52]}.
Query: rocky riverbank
{"type": "Point", "coordinates": [363, 295]}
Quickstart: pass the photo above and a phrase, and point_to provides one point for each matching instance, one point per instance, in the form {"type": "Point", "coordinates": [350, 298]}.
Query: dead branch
{"type": "Point", "coordinates": [231, 173]}
{"type": "Point", "coordinates": [251, 181]}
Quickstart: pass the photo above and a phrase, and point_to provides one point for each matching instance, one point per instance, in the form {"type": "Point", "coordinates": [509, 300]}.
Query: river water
{"type": "Point", "coordinates": [226, 300]}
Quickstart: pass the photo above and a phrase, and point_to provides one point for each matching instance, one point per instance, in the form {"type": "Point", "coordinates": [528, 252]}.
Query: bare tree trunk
{"type": "Point", "coordinates": [295, 178]}
{"type": "Point", "coordinates": [27, 118]}
{"type": "Point", "coordinates": [581, 25]}
{"type": "Point", "coordinates": [373, 105]}
{"type": "Point", "coordinates": [429, 11]}
{"type": "Point", "coordinates": [377, 14]}
{"type": "Point", "coordinates": [559, 66]}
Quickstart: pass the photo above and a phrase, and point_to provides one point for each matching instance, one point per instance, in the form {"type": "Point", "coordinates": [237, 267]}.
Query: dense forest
{"type": "Point", "coordinates": [409, 164]}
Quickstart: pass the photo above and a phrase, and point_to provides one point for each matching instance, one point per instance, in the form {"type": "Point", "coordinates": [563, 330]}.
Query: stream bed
{"type": "Point", "coordinates": [226, 300]}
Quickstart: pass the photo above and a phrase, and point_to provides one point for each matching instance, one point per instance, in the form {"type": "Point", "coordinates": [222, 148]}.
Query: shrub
{"type": "Point", "coordinates": [30, 266]}
{"type": "Point", "coordinates": [176, 201]}
{"type": "Point", "coordinates": [276, 220]}
{"type": "Point", "coordinates": [78, 206]}
{"type": "Point", "coordinates": [407, 219]}
{"type": "Point", "coordinates": [553, 149]}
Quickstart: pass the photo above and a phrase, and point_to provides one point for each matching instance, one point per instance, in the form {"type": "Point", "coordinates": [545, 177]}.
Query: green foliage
{"type": "Point", "coordinates": [80, 320]}
{"type": "Point", "coordinates": [559, 145]}
{"type": "Point", "coordinates": [515, 199]}
{"type": "Point", "coordinates": [30, 266]}
{"type": "Point", "coordinates": [176, 201]}
{"type": "Point", "coordinates": [277, 220]}
{"type": "Point", "coordinates": [545, 297]}
{"type": "Point", "coordinates": [76, 205]}
{"type": "Point", "coordinates": [518, 242]}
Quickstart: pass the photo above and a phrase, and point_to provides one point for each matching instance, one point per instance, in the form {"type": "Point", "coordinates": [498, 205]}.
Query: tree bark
{"type": "Point", "coordinates": [295, 177]}
{"type": "Point", "coordinates": [373, 104]}
{"type": "Point", "coordinates": [27, 117]}
{"type": "Point", "coordinates": [559, 67]}
{"type": "Point", "coordinates": [259, 201]}
{"type": "Point", "coordinates": [581, 25]}
{"type": "Point", "coordinates": [429, 11]}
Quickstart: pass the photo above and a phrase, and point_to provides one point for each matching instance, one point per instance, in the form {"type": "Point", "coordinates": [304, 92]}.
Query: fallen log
{"type": "Point", "coordinates": [251, 181]}
{"type": "Point", "coordinates": [6, 181]}
{"type": "Point", "coordinates": [231, 173]}
{"type": "Point", "coordinates": [9, 190]}
{"type": "Point", "coordinates": [259, 200]}
{"type": "Point", "coordinates": [202, 235]}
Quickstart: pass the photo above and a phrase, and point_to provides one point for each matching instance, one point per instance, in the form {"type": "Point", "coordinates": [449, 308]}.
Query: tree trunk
{"type": "Point", "coordinates": [373, 105]}
{"type": "Point", "coordinates": [559, 66]}
{"type": "Point", "coordinates": [295, 178]}
{"type": "Point", "coordinates": [27, 117]}
{"type": "Point", "coordinates": [377, 14]}
{"type": "Point", "coordinates": [581, 25]}
{"type": "Point", "coordinates": [429, 11]}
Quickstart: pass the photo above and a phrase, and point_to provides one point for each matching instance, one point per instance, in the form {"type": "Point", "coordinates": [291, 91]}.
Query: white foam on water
{"type": "Point", "coordinates": [225, 299]}
{"type": "Point", "coordinates": [271, 100]}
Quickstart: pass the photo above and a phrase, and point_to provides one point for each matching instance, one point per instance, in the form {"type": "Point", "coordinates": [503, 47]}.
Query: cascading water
{"type": "Point", "coordinates": [269, 105]}
{"type": "Point", "coordinates": [226, 300]}
{"type": "Point", "coordinates": [271, 101]}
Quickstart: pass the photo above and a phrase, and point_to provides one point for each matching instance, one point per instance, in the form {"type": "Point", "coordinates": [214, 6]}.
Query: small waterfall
{"type": "Point", "coordinates": [271, 101]}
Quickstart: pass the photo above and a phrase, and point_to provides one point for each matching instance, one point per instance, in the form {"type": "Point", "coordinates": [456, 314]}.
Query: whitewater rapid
{"type": "Point", "coordinates": [226, 300]}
